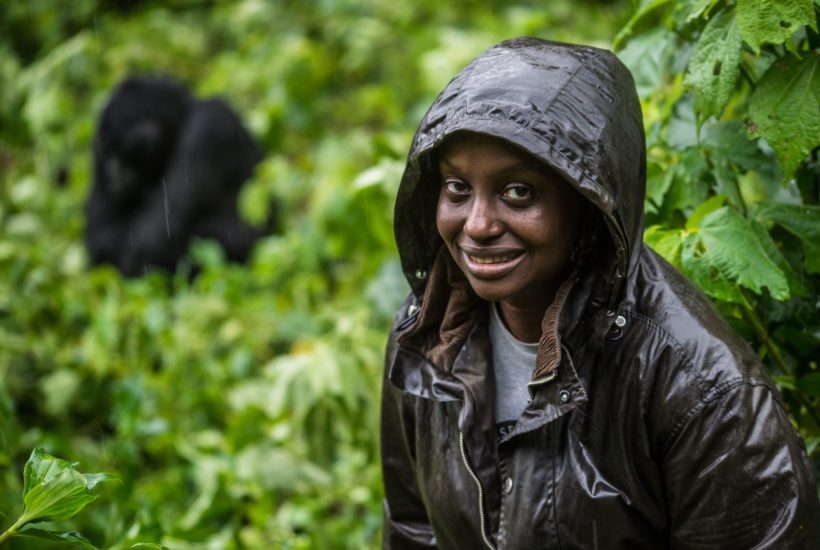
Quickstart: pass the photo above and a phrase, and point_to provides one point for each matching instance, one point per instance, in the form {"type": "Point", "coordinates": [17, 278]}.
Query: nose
{"type": "Point", "coordinates": [481, 223]}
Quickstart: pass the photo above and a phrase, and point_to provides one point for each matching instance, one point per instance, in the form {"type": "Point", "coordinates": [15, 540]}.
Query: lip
{"type": "Point", "coordinates": [490, 262]}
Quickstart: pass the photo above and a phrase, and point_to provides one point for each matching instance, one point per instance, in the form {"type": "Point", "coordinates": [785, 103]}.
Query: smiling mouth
{"type": "Point", "coordinates": [490, 264]}
{"type": "Point", "coordinates": [485, 260]}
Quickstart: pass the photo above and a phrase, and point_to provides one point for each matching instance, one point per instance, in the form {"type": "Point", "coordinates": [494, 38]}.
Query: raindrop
{"type": "Point", "coordinates": [165, 203]}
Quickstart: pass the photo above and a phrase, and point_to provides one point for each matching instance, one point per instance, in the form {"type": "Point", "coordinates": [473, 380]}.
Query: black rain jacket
{"type": "Point", "coordinates": [651, 425]}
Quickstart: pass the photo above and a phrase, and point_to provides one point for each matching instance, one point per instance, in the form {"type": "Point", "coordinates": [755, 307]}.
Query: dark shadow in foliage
{"type": "Point", "coordinates": [167, 168]}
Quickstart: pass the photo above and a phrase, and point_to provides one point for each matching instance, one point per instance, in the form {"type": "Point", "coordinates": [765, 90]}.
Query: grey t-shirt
{"type": "Point", "coordinates": [513, 363]}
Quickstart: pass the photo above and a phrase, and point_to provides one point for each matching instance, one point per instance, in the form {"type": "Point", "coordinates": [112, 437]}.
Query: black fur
{"type": "Point", "coordinates": [167, 167]}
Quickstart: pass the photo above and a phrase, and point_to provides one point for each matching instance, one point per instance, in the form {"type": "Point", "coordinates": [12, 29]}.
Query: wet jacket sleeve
{"type": "Point", "coordinates": [737, 476]}
{"type": "Point", "coordinates": [406, 525]}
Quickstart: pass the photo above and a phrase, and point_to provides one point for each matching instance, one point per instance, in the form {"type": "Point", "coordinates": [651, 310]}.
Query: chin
{"type": "Point", "coordinates": [490, 292]}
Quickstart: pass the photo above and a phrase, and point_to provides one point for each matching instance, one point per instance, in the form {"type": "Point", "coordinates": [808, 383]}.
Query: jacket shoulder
{"type": "Point", "coordinates": [670, 305]}
{"type": "Point", "coordinates": [689, 356]}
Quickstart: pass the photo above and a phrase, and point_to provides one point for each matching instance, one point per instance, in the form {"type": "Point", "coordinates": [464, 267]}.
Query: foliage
{"type": "Point", "coordinates": [731, 96]}
{"type": "Point", "coordinates": [53, 490]}
{"type": "Point", "coordinates": [240, 407]}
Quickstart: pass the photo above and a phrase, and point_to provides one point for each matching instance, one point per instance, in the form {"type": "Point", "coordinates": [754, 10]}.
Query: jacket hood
{"type": "Point", "coordinates": [572, 107]}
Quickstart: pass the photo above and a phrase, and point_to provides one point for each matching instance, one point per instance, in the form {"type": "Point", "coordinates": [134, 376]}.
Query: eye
{"type": "Point", "coordinates": [517, 193]}
{"type": "Point", "coordinates": [455, 186]}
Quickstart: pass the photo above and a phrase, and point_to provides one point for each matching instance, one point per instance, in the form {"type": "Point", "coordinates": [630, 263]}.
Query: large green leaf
{"type": "Point", "coordinates": [773, 21]}
{"type": "Point", "coordinates": [726, 142]}
{"type": "Point", "coordinates": [785, 109]}
{"type": "Point", "coordinates": [715, 64]}
{"type": "Point", "coordinates": [706, 274]}
{"type": "Point", "coordinates": [70, 537]}
{"type": "Point", "coordinates": [707, 207]}
{"type": "Point", "coordinates": [803, 221]}
{"type": "Point", "coordinates": [53, 489]}
{"type": "Point", "coordinates": [796, 283]}
{"type": "Point", "coordinates": [689, 183]}
{"type": "Point", "coordinates": [648, 56]}
{"type": "Point", "coordinates": [729, 250]}
{"type": "Point", "coordinates": [667, 243]}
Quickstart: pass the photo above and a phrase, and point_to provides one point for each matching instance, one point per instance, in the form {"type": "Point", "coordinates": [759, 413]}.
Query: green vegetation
{"type": "Point", "coordinates": [240, 409]}
{"type": "Point", "coordinates": [731, 97]}
{"type": "Point", "coordinates": [53, 490]}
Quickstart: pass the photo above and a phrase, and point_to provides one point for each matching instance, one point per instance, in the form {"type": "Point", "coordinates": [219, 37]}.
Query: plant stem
{"type": "Point", "coordinates": [11, 531]}
{"type": "Point", "coordinates": [774, 351]}
{"type": "Point", "coordinates": [760, 330]}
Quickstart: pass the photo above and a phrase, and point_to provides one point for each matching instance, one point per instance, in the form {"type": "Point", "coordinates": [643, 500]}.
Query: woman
{"type": "Point", "coordinates": [550, 381]}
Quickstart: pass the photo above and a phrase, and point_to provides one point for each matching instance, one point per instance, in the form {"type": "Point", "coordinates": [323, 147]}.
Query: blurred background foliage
{"type": "Point", "coordinates": [240, 408]}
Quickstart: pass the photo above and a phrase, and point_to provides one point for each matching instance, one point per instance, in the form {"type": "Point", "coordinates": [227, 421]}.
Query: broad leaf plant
{"type": "Point", "coordinates": [731, 96]}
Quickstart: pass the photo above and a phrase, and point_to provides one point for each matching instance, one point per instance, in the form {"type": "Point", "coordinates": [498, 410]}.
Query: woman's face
{"type": "Point", "coordinates": [508, 220]}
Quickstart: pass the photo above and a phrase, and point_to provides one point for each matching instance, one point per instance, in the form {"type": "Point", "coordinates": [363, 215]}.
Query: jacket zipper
{"type": "Point", "coordinates": [481, 516]}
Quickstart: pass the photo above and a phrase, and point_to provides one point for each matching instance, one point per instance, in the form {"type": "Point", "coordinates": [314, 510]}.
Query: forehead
{"type": "Point", "coordinates": [466, 147]}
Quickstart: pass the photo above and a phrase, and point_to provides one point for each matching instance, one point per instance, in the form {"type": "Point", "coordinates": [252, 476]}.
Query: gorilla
{"type": "Point", "coordinates": [167, 167]}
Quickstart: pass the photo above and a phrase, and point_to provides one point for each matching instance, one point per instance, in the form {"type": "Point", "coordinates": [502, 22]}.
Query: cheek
{"type": "Point", "coordinates": [553, 231]}
{"type": "Point", "coordinates": [446, 221]}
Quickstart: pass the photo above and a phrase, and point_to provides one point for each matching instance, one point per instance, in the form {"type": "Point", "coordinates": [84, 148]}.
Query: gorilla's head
{"type": "Point", "coordinates": [137, 133]}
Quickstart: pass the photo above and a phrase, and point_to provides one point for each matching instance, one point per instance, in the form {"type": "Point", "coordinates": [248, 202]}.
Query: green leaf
{"type": "Point", "coordinates": [709, 206]}
{"type": "Point", "coordinates": [796, 285]}
{"type": "Point", "coordinates": [70, 537]}
{"type": "Point", "coordinates": [715, 64]}
{"type": "Point", "coordinates": [726, 141]}
{"type": "Point", "coordinates": [811, 444]}
{"type": "Point", "coordinates": [53, 489]}
{"type": "Point", "coordinates": [773, 21]}
{"type": "Point", "coordinates": [784, 381]}
{"type": "Point", "coordinates": [649, 56]}
{"type": "Point", "coordinates": [701, 7]}
{"type": "Point", "coordinates": [729, 250]}
{"type": "Point", "coordinates": [785, 109]}
{"type": "Point", "coordinates": [667, 243]}
{"type": "Point", "coordinates": [688, 184]}
{"type": "Point", "coordinates": [645, 7]}
{"type": "Point", "coordinates": [810, 384]}
{"type": "Point", "coordinates": [705, 274]}
{"type": "Point", "coordinates": [802, 221]}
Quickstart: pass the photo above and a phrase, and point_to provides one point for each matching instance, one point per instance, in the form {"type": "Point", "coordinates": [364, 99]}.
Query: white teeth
{"type": "Point", "coordinates": [492, 259]}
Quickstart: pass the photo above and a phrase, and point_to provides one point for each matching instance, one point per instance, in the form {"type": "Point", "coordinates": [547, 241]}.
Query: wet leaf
{"type": "Point", "coordinates": [708, 276]}
{"type": "Point", "coordinates": [785, 109]}
{"type": "Point", "coordinates": [726, 252]}
{"type": "Point", "coordinates": [802, 221]}
{"type": "Point", "coordinates": [795, 281]}
{"type": "Point", "coordinates": [773, 21]}
{"type": "Point", "coordinates": [715, 64]}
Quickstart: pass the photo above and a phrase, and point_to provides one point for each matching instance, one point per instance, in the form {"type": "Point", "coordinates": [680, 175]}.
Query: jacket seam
{"type": "Point", "coordinates": [676, 346]}
{"type": "Point", "coordinates": [708, 395]}
{"type": "Point", "coordinates": [716, 393]}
